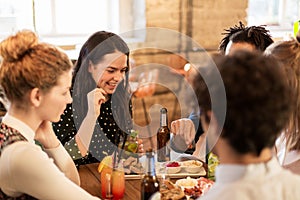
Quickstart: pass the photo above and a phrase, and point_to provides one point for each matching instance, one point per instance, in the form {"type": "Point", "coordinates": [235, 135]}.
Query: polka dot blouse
{"type": "Point", "coordinates": [104, 138]}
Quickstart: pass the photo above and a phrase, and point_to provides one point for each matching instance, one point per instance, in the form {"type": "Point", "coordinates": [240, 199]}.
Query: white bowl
{"type": "Point", "coordinates": [193, 170]}
{"type": "Point", "coordinates": [192, 166]}
{"type": "Point", "coordinates": [187, 182]}
{"type": "Point", "coordinates": [173, 170]}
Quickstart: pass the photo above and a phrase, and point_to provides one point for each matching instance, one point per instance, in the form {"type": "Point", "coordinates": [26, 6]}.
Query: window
{"type": "Point", "coordinates": [278, 15]}
{"type": "Point", "coordinates": [70, 18]}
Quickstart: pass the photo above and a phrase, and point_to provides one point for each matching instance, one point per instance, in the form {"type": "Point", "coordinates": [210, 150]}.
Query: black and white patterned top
{"type": "Point", "coordinates": [9, 136]}
{"type": "Point", "coordinates": [104, 139]}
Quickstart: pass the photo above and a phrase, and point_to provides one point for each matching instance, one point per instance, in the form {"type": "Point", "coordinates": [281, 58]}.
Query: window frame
{"type": "Point", "coordinates": [280, 29]}
{"type": "Point", "coordinates": [116, 15]}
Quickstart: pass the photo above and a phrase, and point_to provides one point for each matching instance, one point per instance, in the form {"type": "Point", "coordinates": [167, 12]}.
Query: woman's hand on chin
{"type": "Point", "coordinates": [46, 136]}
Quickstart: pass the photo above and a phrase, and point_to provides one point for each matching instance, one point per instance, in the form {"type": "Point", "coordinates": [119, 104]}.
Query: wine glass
{"type": "Point", "coordinates": [145, 85]}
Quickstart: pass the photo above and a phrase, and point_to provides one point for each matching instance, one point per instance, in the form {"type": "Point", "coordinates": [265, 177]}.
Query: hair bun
{"type": "Point", "coordinates": [16, 46]}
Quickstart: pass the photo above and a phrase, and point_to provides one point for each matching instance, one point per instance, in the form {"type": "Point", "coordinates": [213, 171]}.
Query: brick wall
{"type": "Point", "coordinates": [203, 21]}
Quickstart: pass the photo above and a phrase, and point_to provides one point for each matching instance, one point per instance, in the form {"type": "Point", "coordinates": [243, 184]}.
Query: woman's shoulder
{"type": "Point", "coordinates": [19, 153]}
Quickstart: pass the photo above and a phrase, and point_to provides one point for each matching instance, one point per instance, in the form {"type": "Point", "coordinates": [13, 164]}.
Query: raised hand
{"type": "Point", "coordinates": [184, 128]}
{"type": "Point", "coordinates": [46, 136]}
{"type": "Point", "coordinates": [95, 98]}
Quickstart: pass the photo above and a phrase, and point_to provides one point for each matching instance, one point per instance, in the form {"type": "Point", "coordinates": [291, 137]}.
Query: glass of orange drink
{"type": "Point", "coordinates": [118, 182]}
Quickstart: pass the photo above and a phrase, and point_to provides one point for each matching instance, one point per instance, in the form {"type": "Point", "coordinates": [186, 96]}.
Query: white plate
{"type": "Point", "coordinates": [187, 182]}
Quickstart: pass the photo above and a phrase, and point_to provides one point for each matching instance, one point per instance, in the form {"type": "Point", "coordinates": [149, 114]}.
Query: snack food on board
{"type": "Point", "coordinates": [132, 166]}
{"type": "Point", "coordinates": [169, 190]}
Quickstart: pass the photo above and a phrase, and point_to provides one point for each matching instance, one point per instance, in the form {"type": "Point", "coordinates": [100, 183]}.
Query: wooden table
{"type": "Point", "coordinates": [90, 181]}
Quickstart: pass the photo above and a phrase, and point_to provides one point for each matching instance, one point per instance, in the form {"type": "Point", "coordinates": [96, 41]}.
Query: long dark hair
{"type": "Point", "coordinates": [94, 49]}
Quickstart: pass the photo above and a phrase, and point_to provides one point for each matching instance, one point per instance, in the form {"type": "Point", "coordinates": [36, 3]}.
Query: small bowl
{"type": "Point", "coordinates": [192, 166]}
{"type": "Point", "coordinates": [187, 182]}
{"type": "Point", "coordinates": [173, 170]}
{"type": "Point", "coordinates": [193, 169]}
{"type": "Point", "coordinates": [172, 167]}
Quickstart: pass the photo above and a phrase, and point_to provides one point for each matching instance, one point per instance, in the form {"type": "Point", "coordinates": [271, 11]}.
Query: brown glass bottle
{"type": "Point", "coordinates": [163, 137]}
{"type": "Point", "coordinates": [150, 183]}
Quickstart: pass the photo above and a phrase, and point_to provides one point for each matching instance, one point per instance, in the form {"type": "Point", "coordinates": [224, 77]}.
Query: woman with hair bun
{"type": "Point", "coordinates": [36, 78]}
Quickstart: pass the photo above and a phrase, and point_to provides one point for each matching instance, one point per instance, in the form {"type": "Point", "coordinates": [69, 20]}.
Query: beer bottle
{"type": "Point", "coordinates": [150, 183]}
{"type": "Point", "coordinates": [163, 137]}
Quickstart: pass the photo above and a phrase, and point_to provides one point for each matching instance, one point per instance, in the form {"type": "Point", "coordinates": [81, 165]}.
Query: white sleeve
{"type": "Point", "coordinates": [64, 162]}
{"type": "Point", "coordinates": [32, 172]}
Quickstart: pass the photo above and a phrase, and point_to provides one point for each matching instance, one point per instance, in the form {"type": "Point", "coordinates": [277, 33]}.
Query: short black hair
{"type": "Point", "coordinates": [258, 101]}
{"type": "Point", "coordinates": [258, 36]}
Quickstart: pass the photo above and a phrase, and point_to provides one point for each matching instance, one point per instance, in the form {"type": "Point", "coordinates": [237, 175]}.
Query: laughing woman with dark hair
{"type": "Point", "coordinates": [100, 114]}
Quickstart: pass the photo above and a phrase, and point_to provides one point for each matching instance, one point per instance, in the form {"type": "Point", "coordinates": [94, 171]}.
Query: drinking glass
{"type": "Point", "coordinates": [145, 85]}
{"type": "Point", "coordinates": [131, 145]}
{"type": "Point", "coordinates": [118, 182]}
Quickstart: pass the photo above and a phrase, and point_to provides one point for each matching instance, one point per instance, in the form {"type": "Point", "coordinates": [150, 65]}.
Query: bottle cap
{"type": "Point", "coordinates": [163, 110]}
